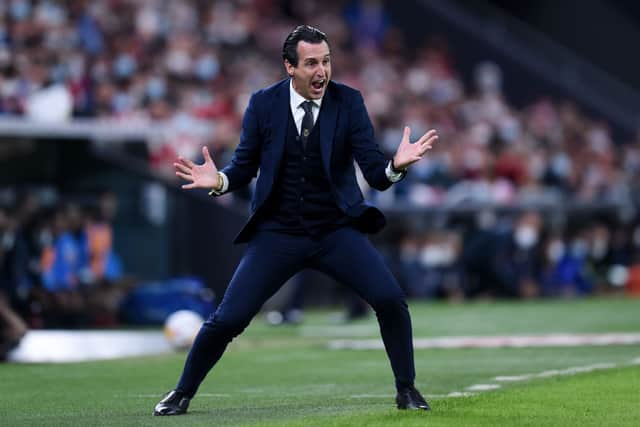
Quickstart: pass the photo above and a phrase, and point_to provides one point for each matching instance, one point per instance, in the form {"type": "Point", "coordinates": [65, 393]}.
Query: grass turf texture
{"type": "Point", "coordinates": [287, 376]}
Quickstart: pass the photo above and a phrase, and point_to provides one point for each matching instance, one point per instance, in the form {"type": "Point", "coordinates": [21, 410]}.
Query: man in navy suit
{"type": "Point", "coordinates": [303, 134]}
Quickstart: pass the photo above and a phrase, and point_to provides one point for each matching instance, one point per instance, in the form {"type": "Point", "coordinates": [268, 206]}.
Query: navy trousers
{"type": "Point", "coordinates": [270, 260]}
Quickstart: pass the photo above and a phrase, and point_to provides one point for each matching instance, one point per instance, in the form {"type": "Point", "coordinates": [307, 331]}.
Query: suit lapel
{"type": "Point", "coordinates": [327, 122]}
{"type": "Point", "coordinates": [279, 120]}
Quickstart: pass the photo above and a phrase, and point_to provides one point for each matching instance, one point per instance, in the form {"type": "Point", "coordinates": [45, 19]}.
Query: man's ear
{"type": "Point", "coordinates": [288, 67]}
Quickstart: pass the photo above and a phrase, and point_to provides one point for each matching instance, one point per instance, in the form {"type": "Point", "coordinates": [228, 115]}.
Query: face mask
{"type": "Point", "coordinates": [526, 236]}
{"type": "Point", "coordinates": [431, 256]}
{"type": "Point", "coordinates": [599, 248]}
{"type": "Point", "coordinates": [488, 77]}
{"type": "Point", "coordinates": [76, 67]}
{"type": "Point", "coordinates": [58, 73]}
{"type": "Point", "coordinates": [178, 62]}
{"type": "Point", "coordinates": [124, 66]}
{"type": "Point", "coordinates": [418, 81]}
{"type": "Point", "coordinates": [207, 67]}
{"type": "Point", "coordinates": [579, 248]}
{"type": "Point", "coordinates": [480, 134]}
{"type": "Point", "coordinates": [509, 129]}
{"type": "Point", "coordinates": [51, 14]}
{"type": "Point", "coordinates": [555, 251]}
{"type": "Point", "coordinates": [486, 220]}
{"type": "Point", "coordinates": [561, 165]}
{"type": "Point", "coordinates": [448, 255]}
{"type": "Point", "coordinates": [20, 10]}
{"type": "Point", "coordinates": [121, 102]}
{"type": "Point", "coordinates": [8, 239]}
{"type": "Point", "coordinates": [45, 238]}
{"type": "Point", "coordinates": [156, 88]}
{"type": "Point", "coordinates": [445, 91]}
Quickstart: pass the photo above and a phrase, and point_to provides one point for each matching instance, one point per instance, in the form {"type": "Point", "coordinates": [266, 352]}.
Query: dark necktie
{"type": "Point", "coordinates": [307, 122]}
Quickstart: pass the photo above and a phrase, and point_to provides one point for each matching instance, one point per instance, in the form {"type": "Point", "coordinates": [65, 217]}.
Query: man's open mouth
{"type": "Point", "coordinates": [318, 84]}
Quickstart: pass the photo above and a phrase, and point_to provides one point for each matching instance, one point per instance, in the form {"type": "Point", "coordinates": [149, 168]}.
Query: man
{"type": "Point", "coordinates": [303, 134]}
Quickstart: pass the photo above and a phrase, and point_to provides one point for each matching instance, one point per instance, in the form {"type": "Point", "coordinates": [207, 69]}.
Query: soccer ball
{"type": "Point", "coordinates": [181, 328]}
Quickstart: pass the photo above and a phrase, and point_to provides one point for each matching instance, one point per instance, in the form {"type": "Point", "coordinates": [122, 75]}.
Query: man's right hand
{"type": "Point", "coordinates": [200, 176]}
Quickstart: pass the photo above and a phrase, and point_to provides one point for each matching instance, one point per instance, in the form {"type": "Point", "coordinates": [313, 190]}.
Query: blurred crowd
{"type": "Point", "coordinates": [190, 66]}
{"type": "Point", "coordinates": [519, 255]}
{"type": "Point", "coordinates": [58, 268]}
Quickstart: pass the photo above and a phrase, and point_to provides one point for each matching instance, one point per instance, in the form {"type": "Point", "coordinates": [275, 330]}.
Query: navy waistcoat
{"type": "Point", "coordinates": [301, 201]}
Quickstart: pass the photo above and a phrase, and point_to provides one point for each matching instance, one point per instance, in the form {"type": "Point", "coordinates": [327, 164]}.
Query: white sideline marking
{"type": "Point", "coordinates": [428, 396]}
{"type": "Point", "coordinates": [576, 370]}
{"type": "Point", "coordinates": [460, 394]}
{"type": "Point", "coordinates": [549, 340]}
{"type": "Point", "coordinates": [544, 374]}
{"type": "Point", "coordinates": [372, 396]}
{"type": "Point", "coordinates": [557, 372]}
{"type": "Point", "coordinates": [213, 395]}
{"type": "Point", "coordinates": [483, 387]}
{"type": "Point", "coordinates": [513, 378]}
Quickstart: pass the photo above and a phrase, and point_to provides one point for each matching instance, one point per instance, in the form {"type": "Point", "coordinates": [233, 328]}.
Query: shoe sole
{"type": "Point", "coordinates": [414, 408]}
{"type": "Point", "coordinates": [167, 414]}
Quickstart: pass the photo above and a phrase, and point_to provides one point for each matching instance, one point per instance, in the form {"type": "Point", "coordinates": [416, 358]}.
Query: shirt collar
{"type": "Point", "coordinates": [296, 99]}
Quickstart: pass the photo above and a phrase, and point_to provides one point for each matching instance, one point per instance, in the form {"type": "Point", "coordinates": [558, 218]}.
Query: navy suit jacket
{"type": "Point", "coordinates": [346, 133]}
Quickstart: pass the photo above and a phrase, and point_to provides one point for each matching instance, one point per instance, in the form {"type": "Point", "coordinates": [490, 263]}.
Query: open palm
{"type": "Point", "coordinates": [409, 153]}
{"type": "Point", "coordinates": [200, 176]}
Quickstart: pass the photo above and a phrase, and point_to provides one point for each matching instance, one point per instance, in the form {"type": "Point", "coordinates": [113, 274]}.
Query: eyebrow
{"type": "Point", "coordinates": [313, 58]}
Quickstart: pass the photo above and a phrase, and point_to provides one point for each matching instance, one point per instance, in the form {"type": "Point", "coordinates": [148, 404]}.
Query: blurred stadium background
{"type": "Point", "coordinates": [531, 193]}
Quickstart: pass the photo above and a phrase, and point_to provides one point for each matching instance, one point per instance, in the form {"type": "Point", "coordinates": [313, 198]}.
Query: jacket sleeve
{"type": "Point", "coordinates": [366, 152]}
{"type": "Point", "coordinates": [246, 158]}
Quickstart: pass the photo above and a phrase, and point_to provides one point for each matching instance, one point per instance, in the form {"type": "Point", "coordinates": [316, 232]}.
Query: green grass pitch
{"type": "Point", "coordinates": [287, 376]}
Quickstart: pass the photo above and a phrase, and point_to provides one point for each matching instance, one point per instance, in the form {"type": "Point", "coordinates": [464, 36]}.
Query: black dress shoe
{"type": "Point", "coordinates": [410, 398]}
{"type": "Point", "coordinates": [173, 403]}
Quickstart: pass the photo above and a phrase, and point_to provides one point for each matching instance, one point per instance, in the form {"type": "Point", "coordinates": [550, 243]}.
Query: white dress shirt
{"type": "Point", "coordinates": [296, 100]}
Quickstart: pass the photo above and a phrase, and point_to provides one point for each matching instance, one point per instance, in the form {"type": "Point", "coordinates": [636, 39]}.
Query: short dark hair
{"type": "Point", "coordinates": [304, 33]}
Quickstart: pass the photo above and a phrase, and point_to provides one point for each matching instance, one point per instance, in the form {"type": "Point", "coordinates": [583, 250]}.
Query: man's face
{"type": "Point", "coordinates": [311, 76]}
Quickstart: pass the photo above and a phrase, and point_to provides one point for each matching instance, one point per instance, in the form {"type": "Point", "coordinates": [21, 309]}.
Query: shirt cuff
{"type": "Point", "coordinates": [393, 176]}
{"type": "Point", "coordinates": [225, 185]}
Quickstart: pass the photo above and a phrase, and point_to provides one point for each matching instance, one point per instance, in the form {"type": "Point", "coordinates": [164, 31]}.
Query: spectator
{"type": "Point", "coordinates": [565, 274]}
{"type": "Point", "coordinates": [12, 327]}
